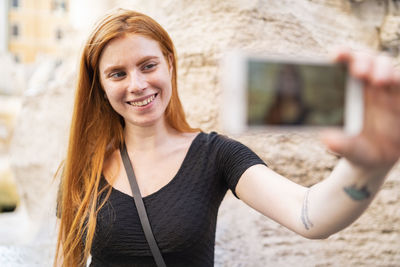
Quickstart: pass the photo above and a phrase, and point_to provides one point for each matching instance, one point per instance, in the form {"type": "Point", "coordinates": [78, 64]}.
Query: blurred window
{"type": "Point", "coordinates": [59, 5]}
{"type": "Point", "coordinates": [15, 31]}
{"type": "Point", "coordinates": [17, 58]}
{"type": "Point", "coordinates": [59, 34]}
{"type": "Point", "coordinates": [15, 3]}
{"type": "Point", "coordinates": [63, 5]}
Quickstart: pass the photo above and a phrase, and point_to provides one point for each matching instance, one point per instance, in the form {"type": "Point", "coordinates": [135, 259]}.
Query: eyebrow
{"type": "Point", "coordinates": [117, 67]}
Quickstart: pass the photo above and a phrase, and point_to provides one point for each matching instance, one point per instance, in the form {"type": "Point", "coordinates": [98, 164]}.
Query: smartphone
{"type": "Point", "coordinates": [274, 91]}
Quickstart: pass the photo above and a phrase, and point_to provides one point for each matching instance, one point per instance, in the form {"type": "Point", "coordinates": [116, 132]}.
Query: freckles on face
{"type": "Point", "coordinates": [136, 78]}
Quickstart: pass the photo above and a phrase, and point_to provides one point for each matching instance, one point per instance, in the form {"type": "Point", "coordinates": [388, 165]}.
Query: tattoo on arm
{"type": "Point", "coordinates": [357, 194]}
{"type": "Point", "coordinates": [304, 212]}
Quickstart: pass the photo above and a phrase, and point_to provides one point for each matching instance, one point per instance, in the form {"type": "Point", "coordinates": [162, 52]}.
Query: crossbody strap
{"type": "Point", "coordinates": [144, 220]}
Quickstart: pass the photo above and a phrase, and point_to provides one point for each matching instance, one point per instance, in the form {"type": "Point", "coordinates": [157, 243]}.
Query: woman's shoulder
{"type": "Point", "coordinates": [215, 137]}
{"type": "Point", "coordinates": [217, 141]}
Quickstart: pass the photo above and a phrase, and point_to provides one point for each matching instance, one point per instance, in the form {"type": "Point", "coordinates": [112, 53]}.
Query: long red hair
{"type": "Point", "coordinates": [97, 130]}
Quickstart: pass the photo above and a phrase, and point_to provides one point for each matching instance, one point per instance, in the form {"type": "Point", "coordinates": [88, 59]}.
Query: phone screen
{"type": "Point", "coordinates": [294, 94]}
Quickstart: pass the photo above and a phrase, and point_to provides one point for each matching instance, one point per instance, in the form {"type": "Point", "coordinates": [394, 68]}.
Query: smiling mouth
{"type": "Point", "coordinates": [144, 102]}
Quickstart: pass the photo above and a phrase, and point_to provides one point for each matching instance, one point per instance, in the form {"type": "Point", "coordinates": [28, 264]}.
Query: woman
{"type": "Point", "coordinates": [288, 107]}
{"type": "Point", "coordinates": [126, 94]}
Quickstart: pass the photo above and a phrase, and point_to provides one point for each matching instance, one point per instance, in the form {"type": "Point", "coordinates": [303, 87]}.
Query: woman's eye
{"type": "Point", "coordinates": [149, 66]}
{"type": "Point", "coordinates": [118, 75]}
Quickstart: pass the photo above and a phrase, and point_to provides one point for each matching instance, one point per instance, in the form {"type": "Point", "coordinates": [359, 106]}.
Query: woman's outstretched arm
{"type": "Point", "coordinates": [337, 201]}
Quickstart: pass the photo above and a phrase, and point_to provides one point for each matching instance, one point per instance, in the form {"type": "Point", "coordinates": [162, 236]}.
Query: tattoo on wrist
{"type": "Point", "coordinates": [304, 212]}
{"type": "Point", "coordinates": [357, 194]}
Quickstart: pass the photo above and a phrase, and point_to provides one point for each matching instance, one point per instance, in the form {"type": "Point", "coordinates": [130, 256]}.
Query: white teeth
{"type": "Point", "coordinates": [144, 102]}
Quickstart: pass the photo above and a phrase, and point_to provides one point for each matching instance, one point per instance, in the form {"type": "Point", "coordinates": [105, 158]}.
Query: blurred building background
{"type": "Point", "coordinates": [3, 26]}
{"type": "Point", "coordinates": [40, 42]}
{"type": "Point", "coordinates": [34, 27]}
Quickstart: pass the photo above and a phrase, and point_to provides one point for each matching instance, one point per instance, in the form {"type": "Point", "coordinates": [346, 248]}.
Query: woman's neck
{"type": "Point", "coordinates": [148, 138]}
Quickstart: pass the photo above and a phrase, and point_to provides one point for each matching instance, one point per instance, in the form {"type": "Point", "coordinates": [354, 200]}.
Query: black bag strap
{"type": "Point", "coordinates": [144, 220]}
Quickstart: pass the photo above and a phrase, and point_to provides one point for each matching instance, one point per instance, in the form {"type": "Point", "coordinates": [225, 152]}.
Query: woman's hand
{"type": "Point", "coordinates": [378, 144]}
{"type": "Point", "coordinates": [341, 198]}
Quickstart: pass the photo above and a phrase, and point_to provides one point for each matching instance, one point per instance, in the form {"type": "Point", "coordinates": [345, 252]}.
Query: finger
{"type": "Point", "coordinates": [361, 66]}
{"type": "Point", "coordinates": [342, 55]}
{"type": "Point", "coordinates": [382, 73]}
{"type": "Point", "coordinates": [359, 63]}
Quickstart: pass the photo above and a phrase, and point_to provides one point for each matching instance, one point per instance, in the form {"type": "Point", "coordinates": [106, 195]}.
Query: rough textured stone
{"type": "Point", "coordinates": [40, 137]}
{"type": "Point", "coordinates": [12, 77]}
{"type": "Point", "coordinates": [9, 197]}
{"type": "Point", "coordinates": [202, 32]}
{"type": "Point", "coordinates": [312, 28]}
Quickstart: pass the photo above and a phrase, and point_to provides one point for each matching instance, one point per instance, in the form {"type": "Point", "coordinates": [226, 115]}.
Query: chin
{"type": "Point", "coordinates": [148, 122]}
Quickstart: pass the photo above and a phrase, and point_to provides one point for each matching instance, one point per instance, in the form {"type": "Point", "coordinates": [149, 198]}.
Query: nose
{"type": "Point", "coordinates": [137, 82]}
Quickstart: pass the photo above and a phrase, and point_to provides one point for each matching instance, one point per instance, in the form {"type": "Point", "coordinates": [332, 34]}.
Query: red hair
{"type": "Point", "coordinates": [97, 130]}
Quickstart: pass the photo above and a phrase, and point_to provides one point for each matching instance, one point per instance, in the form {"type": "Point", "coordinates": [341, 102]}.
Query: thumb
{"type": "Point", "coordinates": [338, 142]}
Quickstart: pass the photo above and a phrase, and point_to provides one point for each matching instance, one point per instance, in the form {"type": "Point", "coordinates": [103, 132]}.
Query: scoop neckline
{"type": "Point", "coordinates": [163, 188]}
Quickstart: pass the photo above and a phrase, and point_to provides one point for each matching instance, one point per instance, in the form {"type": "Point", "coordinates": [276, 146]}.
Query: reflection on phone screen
{"type": "Point", "coordinates": [295, 94]}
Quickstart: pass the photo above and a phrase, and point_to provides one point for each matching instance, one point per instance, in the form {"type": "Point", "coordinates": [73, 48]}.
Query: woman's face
{"type": "Point", "coordinates": [136, 78]}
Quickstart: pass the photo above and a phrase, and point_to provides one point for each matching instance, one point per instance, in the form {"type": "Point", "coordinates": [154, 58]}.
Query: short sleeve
{"type": "Point", "coordinates": [234, 159]}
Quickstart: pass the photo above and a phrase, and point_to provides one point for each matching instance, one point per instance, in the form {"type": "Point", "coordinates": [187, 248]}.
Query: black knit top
{"type": "Point", "coordinates": [182, 214]}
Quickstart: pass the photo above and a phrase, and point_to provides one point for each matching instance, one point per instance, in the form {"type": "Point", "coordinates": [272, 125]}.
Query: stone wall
{"type": "Point", "coordinates": [39, 142]}
{"type": "Point", "coordinates": [202, 32]}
